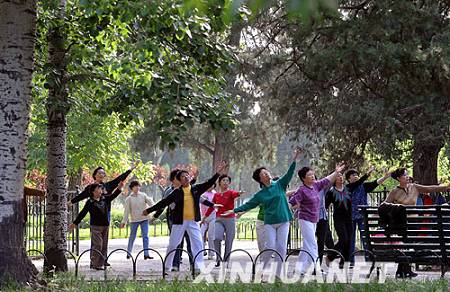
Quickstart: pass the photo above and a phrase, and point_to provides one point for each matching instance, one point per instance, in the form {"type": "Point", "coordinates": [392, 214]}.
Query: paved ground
{"type": "Point", "coordinates": [122, 268]}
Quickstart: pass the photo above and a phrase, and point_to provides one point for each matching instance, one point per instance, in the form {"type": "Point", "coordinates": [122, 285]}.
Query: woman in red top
{"type": "Point", "coordinates": [225, 224]}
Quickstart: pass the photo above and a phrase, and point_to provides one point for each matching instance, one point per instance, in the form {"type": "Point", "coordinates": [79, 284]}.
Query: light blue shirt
{"type": "Point", "coordinates": [323, 214]}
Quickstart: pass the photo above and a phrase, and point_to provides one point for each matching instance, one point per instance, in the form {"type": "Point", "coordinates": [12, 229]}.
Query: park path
{"type": "Point", "coordinates": [122, 268]}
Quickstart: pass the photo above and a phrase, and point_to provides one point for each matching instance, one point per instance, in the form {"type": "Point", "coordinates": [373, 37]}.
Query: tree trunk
{"type": "Point", "coordinates": [222, 138]}
{"type": "Point", "coordinates": [55, 227]}
{"type": "Point", "coordinates": [75, 180]}
{"type": "Point", "coordinates": [17, 37]}
{"type": "Point", "coordinates": [221, 151]}
{"type": "Point", "coordinates": [425, 161]}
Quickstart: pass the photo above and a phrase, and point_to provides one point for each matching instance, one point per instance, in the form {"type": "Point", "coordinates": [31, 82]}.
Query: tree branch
{"type": "Point", "coordinates": [195, 142]}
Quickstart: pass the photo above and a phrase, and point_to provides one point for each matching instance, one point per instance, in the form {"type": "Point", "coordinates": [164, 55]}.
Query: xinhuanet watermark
{"type": "Point", "coordinates": [234, 272]}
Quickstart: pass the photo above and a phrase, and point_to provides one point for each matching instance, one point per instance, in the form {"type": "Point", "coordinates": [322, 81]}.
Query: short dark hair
{"type": "Point", "coordinates": [92, 188]}
{"type": "Point", "coordinates": [96, 170]}
{"type": "Point", "coordinates": [256, 173]}
{"type": "Point", "coordinates": [350, 172]}
{"type": "Point", "coordinates": [179, 173]}
{"type": "Point", "coordinates": [398, 173]}
{"type": "Point", "coordinates": [134, 183]}
{"type": "Point", "coordinates": [223, 176]}
{"type": "Point", "coordinates": [302, 172]}
{"type": "Point", "coordinates": [173, 174]}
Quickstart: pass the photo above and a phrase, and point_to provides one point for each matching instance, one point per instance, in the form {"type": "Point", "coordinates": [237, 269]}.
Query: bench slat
{"type": "Point", "coordinates": [406, 246]}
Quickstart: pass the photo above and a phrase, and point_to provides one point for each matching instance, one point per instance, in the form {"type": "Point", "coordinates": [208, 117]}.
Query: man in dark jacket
{"type": "Point", "coordinates": [174, 185]}
{"type": "Point", "coordinates": [186, 214]}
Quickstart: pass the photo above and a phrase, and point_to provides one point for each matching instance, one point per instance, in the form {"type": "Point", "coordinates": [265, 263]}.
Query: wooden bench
{"type": "Point", "coordinates": [426, 242]}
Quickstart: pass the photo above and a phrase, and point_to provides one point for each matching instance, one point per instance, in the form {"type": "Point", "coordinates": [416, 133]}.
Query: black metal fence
{"type": "Point", "coordinates": [254, 260]}
{"type": "Point", "coordinates": [34, 225]}
{"type": "Point", "coordinates": [245, 229]}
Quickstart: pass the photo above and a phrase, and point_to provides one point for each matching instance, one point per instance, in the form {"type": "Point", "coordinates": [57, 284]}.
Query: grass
{"type": "Point", "coordinates": [67, 282]}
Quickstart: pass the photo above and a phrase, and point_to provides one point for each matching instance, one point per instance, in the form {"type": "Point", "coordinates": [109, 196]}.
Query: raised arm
{"type": "Point", "coordinates": [162, 204]}
{"type": "Point", "coordinates": [370, 186]}
{"type": "Point", "coordinates": [352, 186]}
{"type": "Point", "coordinates": [332, 177]}
{"type": "Point", "coordinates": [116, 193]}
{"type": "Point", "coordinates": [112, 184]}
{"type": "Point", "coordinates": [432, 188]}
{"type": "Point", "coordinates": [81, 196]}
{"type": "Point", "coordinates": [203, 187]}
{"type": "Point", "coordinates": [252, 203]}
{"type": "Point", "coordinates": [286, 178]}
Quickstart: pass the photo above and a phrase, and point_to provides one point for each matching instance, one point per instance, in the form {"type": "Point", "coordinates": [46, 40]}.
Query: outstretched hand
{"type": "Point", "coordinates": [340, 166]}
{"type": "Point", "coordinates": [145, 212]}
{"type": "Point", "coordinates": [222, 167]}
{"type": "Point", "coordinates": [387, 172]}
{"type": "Point", "coordinates": [297, 153]}
{"type": "Point", "coordinates": [370, 170]}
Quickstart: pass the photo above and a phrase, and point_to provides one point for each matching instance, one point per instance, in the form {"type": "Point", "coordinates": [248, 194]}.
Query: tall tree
{"type": "Point", "coordinates": [370, 77]}
{"type": "Point", "coordinates": [130, 56]}
{"type": "Point", "coordinates": [57, 106]}
{"type": "Point", "coordinates": [17, 38]}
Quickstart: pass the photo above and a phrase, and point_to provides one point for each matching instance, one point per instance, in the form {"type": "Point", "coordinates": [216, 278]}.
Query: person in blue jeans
{"type": "Point", "coordinates": [358, 188]}
{"type": "Point", "coordinates": [135, 203]}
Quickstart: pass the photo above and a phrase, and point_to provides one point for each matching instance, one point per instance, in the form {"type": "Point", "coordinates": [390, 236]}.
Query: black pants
{"type": "Point", "coordinates": [177, 258]}
{"type": "Point", "coordinates": [344, 230]}
{"type": "Point", "coordinates": [324, 237]}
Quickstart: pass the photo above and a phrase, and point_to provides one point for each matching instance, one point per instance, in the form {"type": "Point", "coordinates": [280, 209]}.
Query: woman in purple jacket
{"type": "Point", "coordinates": [307, 201]}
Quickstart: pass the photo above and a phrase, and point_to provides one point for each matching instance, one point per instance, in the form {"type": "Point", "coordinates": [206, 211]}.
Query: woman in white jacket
{"type": "Point", "coordinates": [135, 203]}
